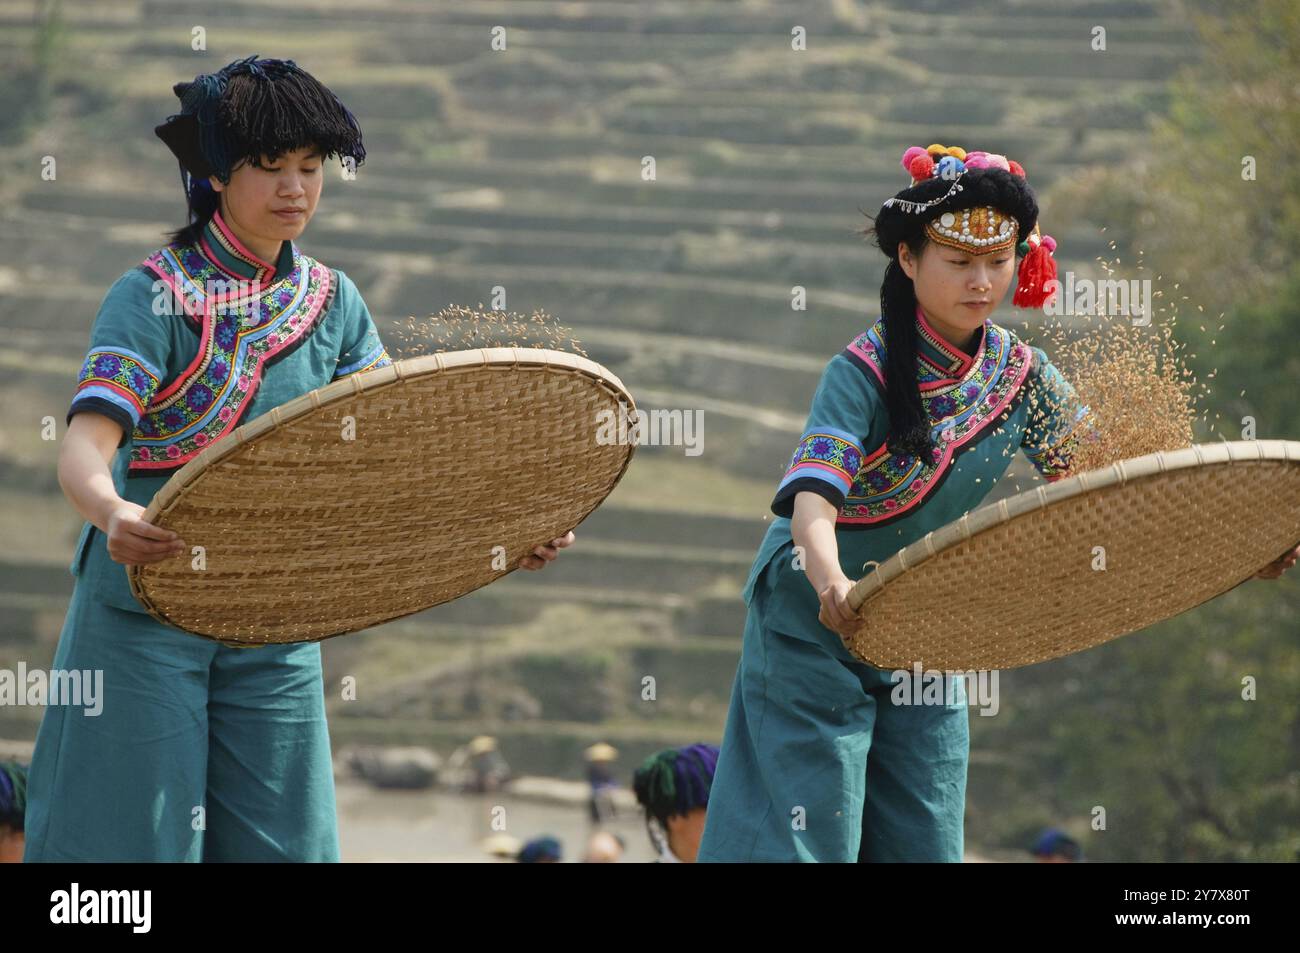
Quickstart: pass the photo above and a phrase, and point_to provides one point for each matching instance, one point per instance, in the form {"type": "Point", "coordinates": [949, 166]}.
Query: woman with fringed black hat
{"type": "Point", "coordinates": [201, 750]}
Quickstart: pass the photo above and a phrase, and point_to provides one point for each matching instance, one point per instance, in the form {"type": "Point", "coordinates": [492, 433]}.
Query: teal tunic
{"type": "Point", "coordinates": [817, 763]}
{"type": "Point", "coordinates": [202, 751]}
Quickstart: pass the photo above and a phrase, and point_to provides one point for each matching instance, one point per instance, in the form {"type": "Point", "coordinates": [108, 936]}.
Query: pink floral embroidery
{"type": "Point", "coordinates": [889, 485]}
{"type": "Point", "coordinates": [214, 392]}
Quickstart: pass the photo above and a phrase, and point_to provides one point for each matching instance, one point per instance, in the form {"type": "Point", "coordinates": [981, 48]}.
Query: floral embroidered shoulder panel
{"type": "Point", "coordinates": [245, 315]}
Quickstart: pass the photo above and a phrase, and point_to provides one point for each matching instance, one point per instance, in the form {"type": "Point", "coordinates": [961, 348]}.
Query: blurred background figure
{"type": "Point", "coordinates": [600, 759]}
{"type": "Point", "coordinates": [502, 847]}
{"type": "Point", "coordinates": [488, 769]}
{"type": "Point", "coordinates": [1054, 846]}
{"type": "Point", "coordinates": [541, 850]}
{"type": "Point", "coordinates": [604, 847]}
{"type": "Point", "coordinates": [13, 806]}
{"type": "Point", "coordinates": [673, 787]}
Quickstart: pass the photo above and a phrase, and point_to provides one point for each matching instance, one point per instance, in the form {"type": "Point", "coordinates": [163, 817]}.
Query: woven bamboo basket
{"type": "Point", "coordinates": [383, 494]}
{"type": "Point", "coordinates": [1081, 561]}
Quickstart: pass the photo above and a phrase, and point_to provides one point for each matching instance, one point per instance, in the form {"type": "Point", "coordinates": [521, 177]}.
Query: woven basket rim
{"type": "Point", "coordinates": [418, 368]}
{"type": "Point", "coordinates": [411, 368]}
{"type": "Point", "coordinates": [937, 541]}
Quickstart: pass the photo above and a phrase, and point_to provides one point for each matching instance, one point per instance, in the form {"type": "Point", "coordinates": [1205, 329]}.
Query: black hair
{"type": "Point", "coordinates": [202, 204]}
{"type": "Point", "coordinates": [909, 430]}
{"type": "Point", "coordinates": [276, 109]}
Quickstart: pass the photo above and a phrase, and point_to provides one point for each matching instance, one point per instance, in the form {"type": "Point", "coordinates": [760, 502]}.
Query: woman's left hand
{"type": "Point", "coordinates": [544, 554]}
{"type": "Point", "coordinates": [1279, 565]}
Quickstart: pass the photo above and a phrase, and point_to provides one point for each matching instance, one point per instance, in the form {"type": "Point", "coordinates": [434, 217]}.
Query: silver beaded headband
{"type": "Point", "coordinates": [914, 207]}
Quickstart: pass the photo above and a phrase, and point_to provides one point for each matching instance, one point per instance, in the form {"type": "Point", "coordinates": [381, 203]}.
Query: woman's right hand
{"type": "Point", "coordinates": [134, 542]}
{"type": "Point", "coordinates": [835, 612]}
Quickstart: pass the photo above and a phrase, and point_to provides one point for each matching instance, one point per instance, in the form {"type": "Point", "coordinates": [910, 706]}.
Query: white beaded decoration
{"type": "Point", "coordinates": [914, 207]}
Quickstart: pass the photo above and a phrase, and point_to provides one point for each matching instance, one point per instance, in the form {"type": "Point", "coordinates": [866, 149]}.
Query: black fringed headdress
{"type": "Point", "coordinates": [254, 107]}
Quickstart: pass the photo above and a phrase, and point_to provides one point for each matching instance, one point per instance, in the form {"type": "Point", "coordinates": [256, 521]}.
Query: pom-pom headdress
{"type": "Point", "coordinates": [979, 203]}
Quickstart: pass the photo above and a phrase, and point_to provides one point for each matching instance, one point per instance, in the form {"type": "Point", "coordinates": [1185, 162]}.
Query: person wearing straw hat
{"type": "Point", "coordinates": [202, 751]}
{"type": "Point", "coordinates": [502, 847]}
{"type": "Point", "coordinates": [489, 770]}
{"type": "Point", "coordinates": [600, 759]}
{"type": "Point", "coordinates": [911, 425]}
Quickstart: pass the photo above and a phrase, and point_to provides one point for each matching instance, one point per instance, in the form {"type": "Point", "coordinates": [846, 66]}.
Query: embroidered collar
{"type": "Point", "coordinates": [948, 361]}
{"type": "Point", "coordinates": [229, 254]}
{"type": "Point", "coordinates": [239, 336]}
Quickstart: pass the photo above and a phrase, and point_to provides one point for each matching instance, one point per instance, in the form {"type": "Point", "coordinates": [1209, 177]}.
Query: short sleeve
{"type": "Point", "coordinates": [830, 451]}
{"type": "Point", "coordinates": [362, 349]}
{"type": "Point", "coordinates": [130, 342]}
{"type": "Point", "coordinates": [1056, 420]}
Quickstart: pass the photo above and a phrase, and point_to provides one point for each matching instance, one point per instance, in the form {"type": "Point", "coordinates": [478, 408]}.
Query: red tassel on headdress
{"type": "Point", "coordinates": [1037, 268]}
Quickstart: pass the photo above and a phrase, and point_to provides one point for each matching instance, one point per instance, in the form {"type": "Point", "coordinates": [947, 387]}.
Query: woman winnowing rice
{"type": "Point", "coordinates": [202, 751]}
{"type": "Point", "coordinates": [910, 427]}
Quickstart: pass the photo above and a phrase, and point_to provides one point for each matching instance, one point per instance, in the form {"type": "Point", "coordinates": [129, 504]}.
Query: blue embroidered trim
{"type": "Point", "coordinates": [119, 376]}
{"type": "Point", "coordinates": [376, 358]}
{"type": "Point", "coordinates": [827, 454]}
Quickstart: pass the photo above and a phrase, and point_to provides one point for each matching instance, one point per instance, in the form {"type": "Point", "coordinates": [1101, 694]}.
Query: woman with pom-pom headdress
{"type": "Point", "coordinates": [825, 757]}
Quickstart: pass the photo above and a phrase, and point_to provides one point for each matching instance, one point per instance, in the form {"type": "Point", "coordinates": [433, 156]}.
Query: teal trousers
{"type": "Point", "coordinates": [817, 763]}
{"type": "Point", "coordinates": [201, 752]}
